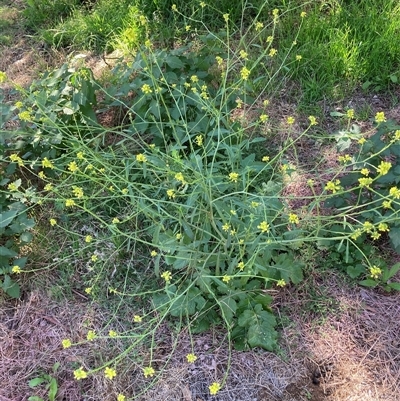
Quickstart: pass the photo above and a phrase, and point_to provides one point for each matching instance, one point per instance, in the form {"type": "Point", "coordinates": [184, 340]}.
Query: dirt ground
{"type": "Point", "coordinates": [349, 353]}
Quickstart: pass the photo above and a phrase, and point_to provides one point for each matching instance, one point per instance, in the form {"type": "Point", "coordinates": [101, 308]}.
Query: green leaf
{"type": "Point", "coordinates": [394, 269]}
{"type": "Point", "coordinates": [7, 252]}
{"type": "Point", "coordinates": [394, 235]}
{"type": "Point", "coordinates": [355, 271]}
{"type": "Point", "coordinates": [368, 283]}
{"type": "Point", "coordinates": [395, 286]}
{"type": "Point", "coordinates": [53, 388]}
{"type": "Point", "coordinates": [174, 62]}
{"type": "Point", "coordinates": [260, 328]}
{"type": "Point", "coordinates": [228, 307]}
{"type": "Point", "coordinates": [7, 217]}
{"type": "Point", "coordinates": [36, 382]}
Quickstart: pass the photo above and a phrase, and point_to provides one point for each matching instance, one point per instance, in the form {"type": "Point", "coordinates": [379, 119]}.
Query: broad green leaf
{"type": "Point", "coordinates": [36, 382]}
{"type": "Point", "coordinates": [355, 271]}
{"type": "Point", "coordinates": [395, 286]}
{"type": "Point", "coordinates": [7, 217]}
{"type": "Point", "coordinates": [7, 252]}
{"type": "Point", "coordinates": [394, 235]}
{"type": "Point", "coordinates": [228, 307]}
{"type": "Point", "coordinates": [174, 62]}
{"type": "Point", "coordinates": [368, 283]}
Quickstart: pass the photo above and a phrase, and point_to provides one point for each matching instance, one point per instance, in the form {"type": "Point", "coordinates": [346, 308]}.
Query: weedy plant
{"type": "Point", "coordinates": [188, 186]}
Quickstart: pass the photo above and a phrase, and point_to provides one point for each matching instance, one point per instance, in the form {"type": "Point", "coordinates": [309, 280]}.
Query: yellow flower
{"type": "Point", "coordinates": [254, 204]}
{"type": "Point", "coordinates": [361, 141]}
{"type": "Point", "coordinates": [202, 4]}
{"type": "Point", "coordinates": [66, 343]}
{"type": "Point", "coordinates": [281, 283]}
{"type": "Point", "coordinates": [263, 226]}
{"type": "Point", "coordinates": [356, 234]}
{"type": "Point", "coordinates": [368, 226]}
{"type": "Point", "coordinates": [80, 374]}
{"type": "Point", "coordinates": [48, 187]}
{"type": "Point", "coordinates": [214, 388]}
{"type": "Point", "coordinates": [178, 236]}
{"type": "Point", "coordinates": [69, 203]}
{"type": "Point", "coordinates": [226, 227]}
{"type": "Point", "coordinates": [148, 372]}
{"type": "Point", "coordinates": [226, 17]}
{"type": "Point", "coordinates": [387, 204]}
{"type": "Point", "coordinates": [12, 187]}
{"type": "Point", "coordinates": [275, 12]}
{"type": "Point", "coordinates": [350, 113]}
{"type": "Point", "coordinates": [191, 358]}
{"type": "Point", "coordinates": [115, 220]}
{"type": "Point", "coordinates": [41, 175]}
{"type": "Point", "coordinates": [171, 193]}
{"type": "Point", "coordinates": [298, 57]}
{"type": "Point", "coordinates": [137, 319]}
{"type": "Point", "coordinates": [226, 278]}
{"type": "Point", "coordinates": [16, 159]}
{"type": "Point", "coordinates": [88, 239]}
{"type": "Point", "coordinates": [53, 222]}
{"type": "Point", "coordinates": [179, 177]}
{"type": "Point", "coordinates": [94, 258]}
{"type": "Point", "coordinates": [396, 136]}
{"type": "Point", "coordinates": [290, 120]}
{"type": "Point", "coordinates": [72, 166]}
{"type": "Point", "coordinates": [264, 118]}
{"type": "Point", "coordinates": [141, 158]}
{"type": "Point", "coordinates": [110, 373]}
{"type": "Point", "coordinates": [233, 177]}
{"type": "Point", "coordinates": [375, 235]}
{"type": "Point", "coordinates": [77, 191]}
{"type": "Point", "coordinates": [270, 39]}
{"type": "Point", "coordinates": [380, 117]}
{"type": "Point", "coordinates": [375, 272]}
{"type": "Point", "coordinates": [273, 52]}
{"type": "Point", "coordinates": [241, 266]}
{"type": "Point", "coordinates": [146, 89]}
{"type": "Point", "coordinates": [47, 163]}
{"type": "Point", "coordinates": [121, 397]}
{"type": "Point", "coordinates": [25, 116]}
{"type": "Point", "coordinates": [365, 182]}
{"type": "Point", "coordinates": [333, 186]}
{"type": "Point", "coordinates": [383, 168]}
{"type": "Point", "coordinates": [16, 269]}
{"type": "Point", "coordinates": [125, 191]}
{"type": "Point", "coordinates": [80, 155]}
{"type": "Point", "coordinates": [244, 73]}
{"type": "Point", "coordinates": [383, 227]}
{"type": "Point", "coordinates": [364, 171]}
{"type": "Point", "coordinates": [187, 28]}
{"type": "Point", "coordinates": [259, 26]}
{"type": "Point", "coordinates": [199, 140]}
{"type": "Point", "coordinates": [194, 78]}
{"type": "Point", "coordinates": [243, 55]}
{"type": "Point", "coordinates": [167, 276]}
{"type": "Point", "coordinates": [219, 60]}
{"type": "Point", "coordinates": [293, 218]}
{"type": "Point", "coordinates": [91, 335]}
{"type": "Point", "coordinates": [313, 120]}
{"type": "Point", "coordinates": [394, 192]}
{"type": "Point", "coordinates": [88, 290]}
{"type": "Point", "coordinates": [112, 334]}
{"type": "Point", "coordinates": [344, 159]}
{"type": "Point", "coordinates": [153, 253]}
{"type": "Point", "coordinates": [174, 8]}
{"type": "Point", "coordinates": [303, 14]}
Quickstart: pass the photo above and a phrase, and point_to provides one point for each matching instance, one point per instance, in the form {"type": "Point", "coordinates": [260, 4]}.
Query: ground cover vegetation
{"type": "Point", "coordinates": [180, 205]}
